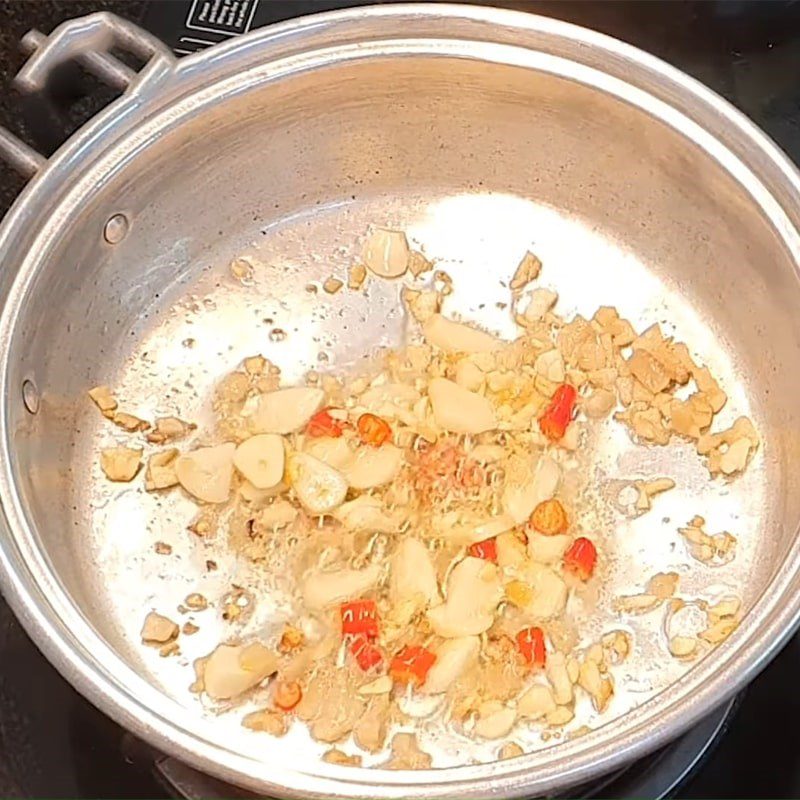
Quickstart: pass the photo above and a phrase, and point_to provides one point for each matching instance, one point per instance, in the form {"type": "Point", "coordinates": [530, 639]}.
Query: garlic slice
{"type": "Point", "coordinates": [458, 337]}
{"type": "Point", "coordinates": [323, 589]}
{"type": "Point", "coordinates": [494, 720]}
{"type": "Point", "coordinates": [206, 473]}
{"type": "Point", "coordinates": [458, 410]}
{"type": "Point", "coordinates": [549, 592]}
{"type": "Point", "coordinates": [536, 702]}
{"type": "Point", "coordinates": [319, 487]}
{"type": "Point", "coordinates": [473, 593]}
{"type": "Point", "coordinates": [260, 459]}
{"type": "Point", "coordinates": [413, 576]}
{"type": "Point", "coordinates": [284, 410]}
{"type": "Point", "coordinates": [453, 658]}
{"type": "Point", "coordinates": [547, 549]}
{"type": "Point", "coordinates": [386, 253]}
{"type": "Point", "coordinates": [366, 513]}
{"type": "Point", "coordinates": [233, 669]}
{"type": "Point", "coordinates": [334, 451]}
{"type": "Point", "coordinates": [373, 466]}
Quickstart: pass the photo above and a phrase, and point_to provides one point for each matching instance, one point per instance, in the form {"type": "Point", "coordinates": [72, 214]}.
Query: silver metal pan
{"type": "Point", "coordinates": [482, 133]}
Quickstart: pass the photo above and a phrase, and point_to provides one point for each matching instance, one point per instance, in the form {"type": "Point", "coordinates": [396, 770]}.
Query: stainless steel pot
{"type": "Point", "coordinates": [482, 132]}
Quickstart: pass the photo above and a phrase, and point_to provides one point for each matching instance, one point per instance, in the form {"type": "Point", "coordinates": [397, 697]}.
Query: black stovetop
{"type": "Point", "coordinates": [52, 742]}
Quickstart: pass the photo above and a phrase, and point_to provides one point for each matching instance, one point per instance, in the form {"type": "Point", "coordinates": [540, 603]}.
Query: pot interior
{"type": "Point", "coordinates": [477, 160]}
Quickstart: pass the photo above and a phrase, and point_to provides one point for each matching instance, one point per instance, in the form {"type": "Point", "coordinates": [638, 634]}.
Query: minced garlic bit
{"type": "Point", "coordinates": [121, 464]}
{"type": "Point", "coordinates": [332, 285]}
{"type": "Point", "coordinates": [649, 489]}
{"type": "Point", "coordinates": [158, 629]}
{"type": "Point", "coordinates": [160, 472]}
{"type": "Point", "coordinates": [242, 269]}
{"type": "Point", "coordinates": [129, 422]}
{"type": "Point", "coordinates": [714, 550]}
{"type": "Point", "coordinates": [335, 756]}
{"type": "Point", "coordinates": [528, 270]}
{"type": "Point", "coordinates": [418, 264]}
{"type": "Point", "coordinates": [104, 399]}
{"type": "Point", "coordinates": [356, 276]}
{"type": "Point", "coordinates": [168, 429]}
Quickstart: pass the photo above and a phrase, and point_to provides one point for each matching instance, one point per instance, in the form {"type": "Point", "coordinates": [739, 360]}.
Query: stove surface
{"type": "Point", "coordinates": [53, 743]}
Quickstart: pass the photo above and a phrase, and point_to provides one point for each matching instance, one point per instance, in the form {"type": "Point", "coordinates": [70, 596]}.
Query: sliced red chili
{"type": "Point", "coordinates": [373, 430]}
{"type": "Point", "coordinates": [558, 414]}
{"type": "Point", "coordinates": [580, 558]}
{"type": "Point", "coordinates": [360, 617]}
{"type": "Point", "coordinates": [530, 642]}
{"type": "Point", "coordinates": [487, 549]}
{"type": "Point", "coordinates": [323, 424]}
{"type": "Point", "coordinates": [411, 665]}
{"type": "Point", "coordinates": [366, 654]}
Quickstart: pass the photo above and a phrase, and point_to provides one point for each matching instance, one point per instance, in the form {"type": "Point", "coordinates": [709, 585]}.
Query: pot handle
{"type": "Point", "coordinates": [88, 40]}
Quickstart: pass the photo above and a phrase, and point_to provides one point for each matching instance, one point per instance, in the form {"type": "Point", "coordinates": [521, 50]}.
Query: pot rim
{"type": "Point", "coordinates": [57, 626]}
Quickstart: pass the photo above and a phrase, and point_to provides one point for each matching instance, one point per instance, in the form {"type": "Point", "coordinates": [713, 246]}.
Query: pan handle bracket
{"type": "Point", "coordinates": [87, 40]}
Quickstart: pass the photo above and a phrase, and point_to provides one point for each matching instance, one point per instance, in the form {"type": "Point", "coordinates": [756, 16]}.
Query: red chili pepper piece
{"type": "Point", "coordinates": [581, 558]}
{"type": "Point", "coordinates": [323, 424]}
{"type": "Point", "coordinates": [558, 414]}
{"type": "Point", "coordinates": [411, 665]}
{"type": "Point", "coordinates": [487, 549]}
{"type": "Point", "coordinates": [373, 430]}
{"type": "Point", "coordinates": [360, 617]}
{"type": "Point", "coordinates": [366, 654]}
{"type": "Point", "coordinates": [530, 642]}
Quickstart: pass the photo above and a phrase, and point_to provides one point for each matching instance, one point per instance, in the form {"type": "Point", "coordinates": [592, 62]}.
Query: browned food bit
{"type": "Point", "coordinates": [104, 399]}
{"type": "Point", "coordinates": [168, 429]}
{"type": "Point", "coordinates": [158, 629]}
{"type": "Point", "coordinates": [267, 720]}
{"type": "Point", "coordinates": [129, 422]}
{"type": "Point", "coordinates": [160, 472]}
{"type": "Point", "coordinates": [527, 270]}
{"type": "Point", "coordinates": [120, 464]}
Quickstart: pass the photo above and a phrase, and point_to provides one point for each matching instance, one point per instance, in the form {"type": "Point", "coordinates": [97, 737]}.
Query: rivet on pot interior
{"type": "Point", "coordinates": [30, 396]}
{"type": "Point", "coordinates": [116, 229]}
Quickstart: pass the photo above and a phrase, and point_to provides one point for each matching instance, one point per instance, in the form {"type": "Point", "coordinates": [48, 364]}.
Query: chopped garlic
{"type": "Point", "coordinates": [129, 422]}
{"type": "Point", "coordinates": [121, 464]}
{"type": "Point", "coordinates": [168, 429]}
{"type": "Point", "coordinates": [356, 276]}
{"type": "Point", "coordinates": [160, 473]}
{"type": "Point", "coordinates": [104, 399]}
{"type": "Point", "coordinates": [528, 270]}
{"type": "Point", "coordinates": [158, 629]}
